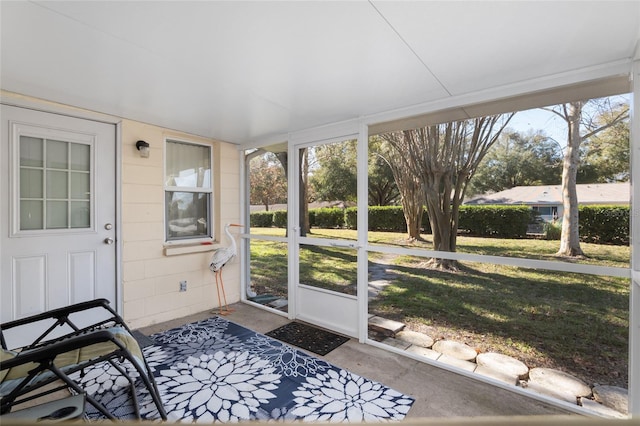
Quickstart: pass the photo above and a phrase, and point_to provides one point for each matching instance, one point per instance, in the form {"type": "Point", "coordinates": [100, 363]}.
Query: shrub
{"type": "Point", "coordinates": [495, 221]}
{"type": "Point", "coordinates": [261, 219]}
{"type": "Point", "coordinates": [604, 224]}
{"type": "Point", "coordinates": [351, 217]}
{"type": "Point", "coordinates": [280, 218]}
{"type": "Point", "coordinates": [387, 218]}
{"type": "Point", "coordinates": [551, 230]}
{"type": "Point", "coordinates": [327, 217]}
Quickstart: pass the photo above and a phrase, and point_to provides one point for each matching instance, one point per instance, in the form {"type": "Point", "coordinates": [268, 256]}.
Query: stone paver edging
{"type": "Point", "coordinates": [610, 401]}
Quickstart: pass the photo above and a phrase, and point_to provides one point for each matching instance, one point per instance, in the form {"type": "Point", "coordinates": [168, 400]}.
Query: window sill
{"type": "Point", "coordinates": [175, 250]}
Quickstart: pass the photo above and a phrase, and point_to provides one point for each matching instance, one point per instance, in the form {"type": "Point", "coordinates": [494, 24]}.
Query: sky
{"type": "Point", "coordinates": [538, 119]}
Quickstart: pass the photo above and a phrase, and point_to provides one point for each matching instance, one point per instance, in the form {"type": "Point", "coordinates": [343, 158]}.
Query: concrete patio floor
{"type": "Point", "coordinates": [438, 393]}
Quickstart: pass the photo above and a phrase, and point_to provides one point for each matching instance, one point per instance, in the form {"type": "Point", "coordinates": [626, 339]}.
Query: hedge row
{"type": "Point", "coordinates": [495, 221]}
{"type": "Point", "coordinates": [598, 224]}
{"type": "Point", "coordinates": [604, 224]}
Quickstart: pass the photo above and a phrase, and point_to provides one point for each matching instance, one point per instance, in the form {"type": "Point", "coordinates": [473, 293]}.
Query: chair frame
{"type": "Point", "coordinates": [44, 350]}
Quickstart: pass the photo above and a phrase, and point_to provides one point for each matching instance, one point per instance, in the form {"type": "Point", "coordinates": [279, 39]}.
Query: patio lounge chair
{"type": "Point", "coordinates": [68, 342]}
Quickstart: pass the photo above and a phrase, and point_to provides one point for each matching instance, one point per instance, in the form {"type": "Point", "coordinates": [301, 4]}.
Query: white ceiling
{"type": "Point", "coordinates": [250, 71]}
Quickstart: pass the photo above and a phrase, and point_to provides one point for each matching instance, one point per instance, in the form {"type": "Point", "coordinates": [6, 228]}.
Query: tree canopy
{"type": "Point", "coordinates": [268, 181]}
{"type": "Point", "coordinates": [518, 159]}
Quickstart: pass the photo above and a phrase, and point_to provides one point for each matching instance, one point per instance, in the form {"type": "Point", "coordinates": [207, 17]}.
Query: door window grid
{"type": "Point", "coordinates": [55, 184]}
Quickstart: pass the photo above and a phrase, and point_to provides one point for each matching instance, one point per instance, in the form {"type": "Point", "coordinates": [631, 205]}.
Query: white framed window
{"type": "Point", "coordinates": [188, 189]}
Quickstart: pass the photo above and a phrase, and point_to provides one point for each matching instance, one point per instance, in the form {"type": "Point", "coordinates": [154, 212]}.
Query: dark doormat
{"type": "Point", "coordinates": [308, 337]}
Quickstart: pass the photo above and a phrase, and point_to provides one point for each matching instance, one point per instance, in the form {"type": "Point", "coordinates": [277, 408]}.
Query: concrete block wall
{"type": "Point", "coordinates": [150, 273]}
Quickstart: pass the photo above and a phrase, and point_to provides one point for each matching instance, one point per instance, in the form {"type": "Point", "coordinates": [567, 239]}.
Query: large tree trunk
{"type": "Point", "coordinates": [411, 194]}
{"type": "Point", "coordinates": [570, 238]}
{"type": "Point", "coordinates": [438, 195]}
{"type": "Point", "coordinates": [413, 209]}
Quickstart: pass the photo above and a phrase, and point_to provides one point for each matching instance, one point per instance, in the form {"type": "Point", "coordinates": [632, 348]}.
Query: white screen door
{"type": "Point", "coordinates": [58, 212]}
{"type": "Point", "coordinates": [326, 272]}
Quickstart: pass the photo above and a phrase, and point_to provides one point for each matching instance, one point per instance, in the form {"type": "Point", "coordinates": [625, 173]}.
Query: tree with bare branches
{"type": "Point", "coordinates": [580, 127]}
{"type": "Point", "coordinates": [443, 158]}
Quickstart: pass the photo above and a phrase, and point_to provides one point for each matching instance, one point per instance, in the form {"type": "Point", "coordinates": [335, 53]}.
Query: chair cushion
{"type": "Point", "coordinates": [5, 355]}
{"type": "Point", "coordinates": [80, 355]}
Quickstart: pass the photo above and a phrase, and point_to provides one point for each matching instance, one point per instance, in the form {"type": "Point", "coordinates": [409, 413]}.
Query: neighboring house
{"type": "Point", "coordinates": [547, 199]}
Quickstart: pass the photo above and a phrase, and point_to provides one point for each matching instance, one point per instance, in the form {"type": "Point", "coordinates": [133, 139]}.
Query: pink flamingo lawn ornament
{"type": "Point", "coordinates": [221, 257]}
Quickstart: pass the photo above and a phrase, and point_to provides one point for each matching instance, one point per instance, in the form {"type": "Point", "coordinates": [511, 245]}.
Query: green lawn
{"type": "Point", "coordinates": [575, 322]}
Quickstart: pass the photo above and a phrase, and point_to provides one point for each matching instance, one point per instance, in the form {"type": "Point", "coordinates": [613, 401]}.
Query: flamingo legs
{"type": "Point", "coordinates": [220, 289]}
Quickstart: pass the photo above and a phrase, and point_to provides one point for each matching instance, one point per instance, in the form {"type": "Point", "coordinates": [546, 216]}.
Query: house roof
{"type": "Point", "coordinates": [605, 193]}
{"type": "Point", "coordinates": [248, 72]}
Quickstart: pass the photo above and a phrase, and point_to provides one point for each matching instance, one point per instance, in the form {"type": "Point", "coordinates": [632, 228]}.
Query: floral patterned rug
{"type": "Point", "coordinates": [216, 370]}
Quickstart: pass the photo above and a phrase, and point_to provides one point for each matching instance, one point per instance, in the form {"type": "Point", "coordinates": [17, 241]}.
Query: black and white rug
{"type": "Point", "coordinates": [216, 370]}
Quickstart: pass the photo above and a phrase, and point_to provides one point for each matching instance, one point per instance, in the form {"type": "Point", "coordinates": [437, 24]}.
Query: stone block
{"type": "Point", "coordinates": [457, 362]}
{"type": "Point", "coordinates": [549, 390]}
{"type": "Point", "coordinates": [507, 365]}
{"type": "Point", "coordinates": [415, 338]}
{"type": "Point", "coordinates": [614, 397]}
{"type": "Point", "coordinates": [502, 375]}
{"type": "Point", "coordinates": [396, 343]}
{"type": "Point", "coordinates": [558, 382]}
{"type": "Point", "coordinates": [425, 352]}
{"type": "Point", "coordinates": [455, 350]}
{"type": "Point", "coordinates": [385, 326]}
{"type": "Point", "coordinates": [598, 408]}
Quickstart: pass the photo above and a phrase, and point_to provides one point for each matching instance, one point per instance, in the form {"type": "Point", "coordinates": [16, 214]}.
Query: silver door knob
{"type": "Point", "coordinates": [108, 240]}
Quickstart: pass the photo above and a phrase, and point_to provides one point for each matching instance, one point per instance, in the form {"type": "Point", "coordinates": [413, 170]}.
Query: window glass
{"type": "Point", "coordinates": [188, 165]}
{"type": "Point", "coordinates": [188, 186]}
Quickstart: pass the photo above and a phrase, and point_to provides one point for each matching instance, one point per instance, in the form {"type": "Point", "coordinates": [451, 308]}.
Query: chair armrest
{"type": "Point", "coordinates": [57, 313]}
{"type": "Point", "coordinates": [60, 317]}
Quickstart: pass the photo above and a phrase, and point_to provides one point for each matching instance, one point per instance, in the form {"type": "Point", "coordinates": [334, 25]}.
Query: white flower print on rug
{"type": "Point", "coordinates": [218, 371]}
{"type": "Point", "coordinates": [225, 387]}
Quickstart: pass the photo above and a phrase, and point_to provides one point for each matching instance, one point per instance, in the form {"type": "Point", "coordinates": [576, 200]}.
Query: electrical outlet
{"type": "Point", "coordinates": [183, 286]}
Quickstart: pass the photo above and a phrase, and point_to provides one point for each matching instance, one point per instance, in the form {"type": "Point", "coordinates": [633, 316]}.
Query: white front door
{"type": "Point", "coordinates": [57, 213]}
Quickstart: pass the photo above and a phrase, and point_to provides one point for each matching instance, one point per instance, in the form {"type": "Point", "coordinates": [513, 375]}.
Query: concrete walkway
{"type": "Point", "coordinates": [438, 393]}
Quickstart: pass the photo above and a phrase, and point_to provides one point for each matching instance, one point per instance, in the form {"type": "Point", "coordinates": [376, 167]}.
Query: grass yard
{"type": "Point", "coordinates": [577, 323]}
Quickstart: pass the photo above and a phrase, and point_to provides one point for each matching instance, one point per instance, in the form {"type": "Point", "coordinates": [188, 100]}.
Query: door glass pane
{"type": "Point", "coordinates": [30, 183]}
{"type": "Point", "coordinates": [31, 215]}
{"type": "Point", "coordinates": [57, 184]}
{"type": "Point", "coordinates": [31, 151]}
{"type": "Point", "coordinates": [80, 186]}
{"type": "Point", "coordinates": [57, 214]}
{"type": "Point", "coordinates": [57, 155]}
{"type": "Point", "coordinates": [80, 214]}
{"type": "Point", "coordinates": [80, 157]}
{"type": "Point", "coordinates": [49, 190]}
